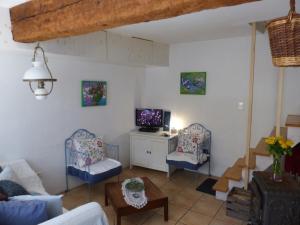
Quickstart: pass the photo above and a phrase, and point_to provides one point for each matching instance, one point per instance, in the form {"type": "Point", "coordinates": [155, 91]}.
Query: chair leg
{"type": "Point", "coordinates": [171, 170]}
{"type": "Point", "coordinates": [90, 189]}
{"type": "Point", "coordinates": [209, 172]}
{"type": "Point", "coordinates": [67, 182]}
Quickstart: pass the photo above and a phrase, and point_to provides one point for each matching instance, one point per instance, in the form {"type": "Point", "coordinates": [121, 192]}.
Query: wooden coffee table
{"type": "Point", "coordinates": [156, 199]}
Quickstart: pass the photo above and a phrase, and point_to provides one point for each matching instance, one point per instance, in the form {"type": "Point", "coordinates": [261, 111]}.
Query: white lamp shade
{"type": "Point", "coordinates": [37, 72]}
{"type": "Point", "coordinates": [40, 97]}
{"type": "Point", "coordinates": [40, 93]}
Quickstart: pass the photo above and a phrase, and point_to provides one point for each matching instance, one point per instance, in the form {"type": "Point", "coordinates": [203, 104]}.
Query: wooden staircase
{"type": "Point", "coordinates": [260, 159]}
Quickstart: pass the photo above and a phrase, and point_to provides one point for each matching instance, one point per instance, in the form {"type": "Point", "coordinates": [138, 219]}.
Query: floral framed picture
{"type": "Point", "coordinates": [193, 83]}
{"type": "Point", "coordinates": [93, 93]}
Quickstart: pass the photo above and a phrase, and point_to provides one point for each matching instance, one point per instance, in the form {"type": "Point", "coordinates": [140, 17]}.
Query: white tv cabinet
{"type": "Point", "coordinates": [150, 150]}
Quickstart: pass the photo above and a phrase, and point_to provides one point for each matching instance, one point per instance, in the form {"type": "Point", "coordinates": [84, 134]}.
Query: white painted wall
{"type": "Point", "coordinates": [36, 130]}
{"type": "Point", "coordinates": [227, 65]}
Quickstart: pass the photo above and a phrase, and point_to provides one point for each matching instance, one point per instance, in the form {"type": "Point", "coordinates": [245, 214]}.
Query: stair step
{"type": "Point", "coordinates": [293, 121]}
{"type": "Point", "coordinates": [241, 162]}
{"type": "Point", "coordinates": [221, 185]}
{"type": "Point", "coordinates": [262, 148]}
{"type": "Point", "coordinates": [234, 173]}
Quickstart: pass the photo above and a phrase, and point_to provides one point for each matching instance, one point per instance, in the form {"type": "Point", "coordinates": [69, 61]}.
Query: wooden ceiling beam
{"type": "Point", "coordinates": [40, 20]}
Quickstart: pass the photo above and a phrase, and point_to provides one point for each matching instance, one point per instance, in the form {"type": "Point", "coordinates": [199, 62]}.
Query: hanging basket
{"type": "Point", "coordinates": [284, 34]}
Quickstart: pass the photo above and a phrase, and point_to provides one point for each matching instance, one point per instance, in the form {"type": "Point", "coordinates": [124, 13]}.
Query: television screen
{"type": "Point", "coordinates": [149, 117]}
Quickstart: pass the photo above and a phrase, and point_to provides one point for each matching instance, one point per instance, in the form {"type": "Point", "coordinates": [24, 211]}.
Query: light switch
{"type": "Point", "coordinates": [241, 106]}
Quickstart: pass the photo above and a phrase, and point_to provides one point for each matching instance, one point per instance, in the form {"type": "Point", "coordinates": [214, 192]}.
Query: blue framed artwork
{"type": "Point", "coordinates": [93, 93]}
{"type": "Point", "coordinates": [193, 83]}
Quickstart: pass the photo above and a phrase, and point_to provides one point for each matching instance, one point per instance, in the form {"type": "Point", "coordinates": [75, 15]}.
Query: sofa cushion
{"type": "Point", "coordinates": [189, 142]}
{"type": "Point", "coordinates": [89, 150]}
{"type": "Point", "coordinates": [23, 212]}
{"type": "Point", "coordinates": [97, 172]}
{"type": "Point", "coordinates": [54, 203]}
{"type": "Point", "coordinates": [11, 188]}
{"type": "Point", "coordinates": [181, 156]}
{"type": "Point", "coordinates": [27, 176]}
{"type": "Point", "coordinates": [8, 174]}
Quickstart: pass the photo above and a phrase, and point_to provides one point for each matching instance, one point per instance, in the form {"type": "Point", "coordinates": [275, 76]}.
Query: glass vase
{"type": "Point", "coordinates": [277, 171]}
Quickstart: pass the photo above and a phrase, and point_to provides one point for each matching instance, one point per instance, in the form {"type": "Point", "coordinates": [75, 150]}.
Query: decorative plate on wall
{"type": "Point", "coordinates": [93, 93]}
{"type": "Point", "coordinates": [193, 83]}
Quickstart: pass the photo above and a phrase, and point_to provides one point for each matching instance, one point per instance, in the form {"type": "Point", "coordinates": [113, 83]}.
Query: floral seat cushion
{"type": "Point", "coordinates": [189, 142]}
{"type": "Point", "coordinates": [90, 151]}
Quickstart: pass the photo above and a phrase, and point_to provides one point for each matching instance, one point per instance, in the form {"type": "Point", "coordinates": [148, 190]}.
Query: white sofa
{"type": "Point", "coordinates": [88, 214]}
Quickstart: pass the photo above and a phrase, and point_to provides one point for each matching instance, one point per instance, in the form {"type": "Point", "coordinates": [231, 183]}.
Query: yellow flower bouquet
{"type": "Point", "coordinates": [278, 147]}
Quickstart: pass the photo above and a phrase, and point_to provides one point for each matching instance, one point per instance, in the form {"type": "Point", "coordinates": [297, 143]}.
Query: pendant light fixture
{"type": "Point", "coordinates": [39, 73]}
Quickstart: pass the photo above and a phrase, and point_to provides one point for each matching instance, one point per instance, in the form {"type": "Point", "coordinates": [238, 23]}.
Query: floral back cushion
{"type": "Point", "coordinates": [189, 142]}
{"type": "Point", "coordinates": [89, 151]}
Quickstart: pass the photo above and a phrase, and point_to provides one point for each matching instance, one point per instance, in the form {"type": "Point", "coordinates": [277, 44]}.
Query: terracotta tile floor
{"type": "Point", "coordinates": [186, 205]}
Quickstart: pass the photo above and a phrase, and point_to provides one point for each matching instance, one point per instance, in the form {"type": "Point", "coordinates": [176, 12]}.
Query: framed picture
{"type": "Point", "coordinates": [93, 93]}
{"type": "Point", "coordinates": [193, 83]}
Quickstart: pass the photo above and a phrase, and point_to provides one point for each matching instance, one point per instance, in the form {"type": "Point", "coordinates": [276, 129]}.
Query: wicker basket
{"type": "Point", "coordinates": [284, 34]}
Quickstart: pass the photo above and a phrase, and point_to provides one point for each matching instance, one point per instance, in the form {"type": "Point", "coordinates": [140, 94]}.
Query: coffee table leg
{"type": "Point", "coordinates": [118, 220]}
{"type": "Point", "coordinates": [106, 197]}
{"type": "Point", "coordinates": [166, 211]}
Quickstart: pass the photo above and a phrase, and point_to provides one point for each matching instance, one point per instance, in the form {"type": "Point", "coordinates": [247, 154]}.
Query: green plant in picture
{"type": "Point", "coordinates": [193, 83]}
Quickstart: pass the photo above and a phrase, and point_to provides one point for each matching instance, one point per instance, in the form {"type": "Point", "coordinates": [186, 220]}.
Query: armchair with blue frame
{"type": "Point", "coordinates": [192, 150]}
{"type": "Point", "coordinates": [90, 173]}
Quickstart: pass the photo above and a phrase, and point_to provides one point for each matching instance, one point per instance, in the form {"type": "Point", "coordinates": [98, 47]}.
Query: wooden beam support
{"type": "Point", "coordinates": [260, 26]}
{"type": "Point", "coordinates": [250, 104]}
{"type": "Point", "coordinates": [39, 20]}
{"type": "Point", "coordinates": [279, 100]}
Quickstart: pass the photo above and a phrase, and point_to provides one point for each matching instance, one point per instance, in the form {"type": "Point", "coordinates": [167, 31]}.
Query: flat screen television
{"type": "Point", "coordinates": [149, 119]}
